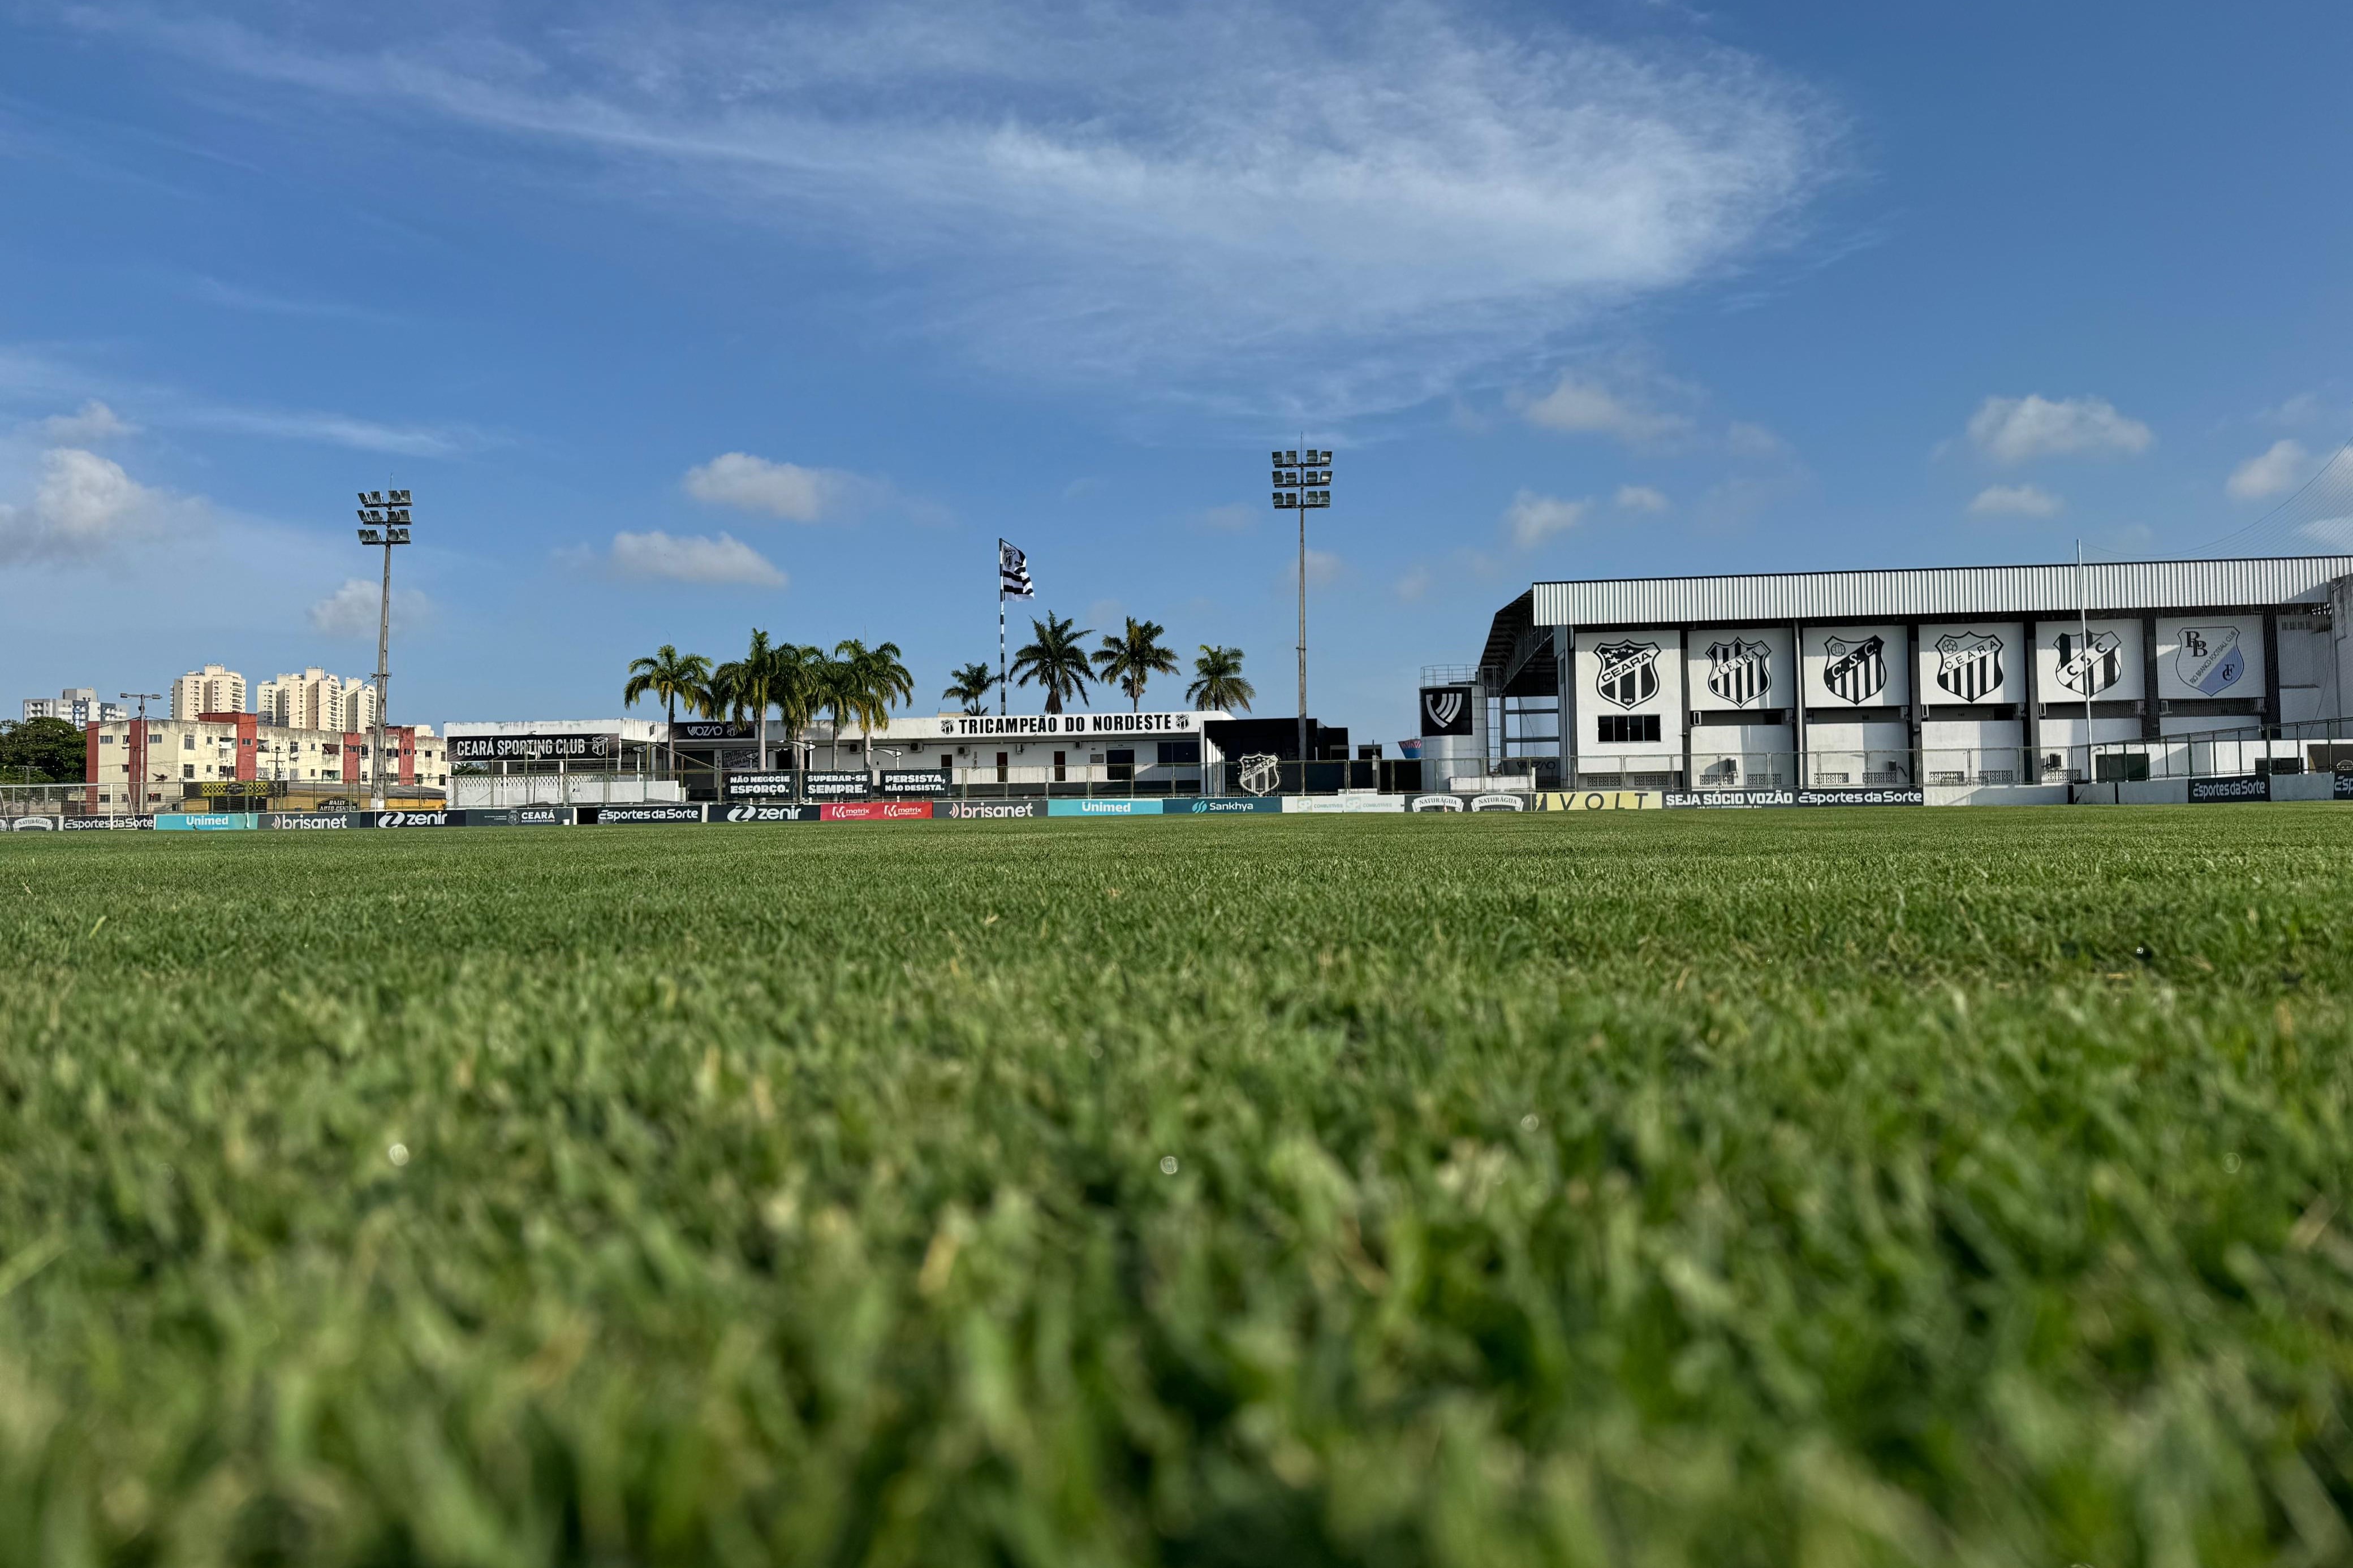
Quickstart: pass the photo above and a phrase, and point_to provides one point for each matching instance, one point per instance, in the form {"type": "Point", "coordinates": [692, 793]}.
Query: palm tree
{"type": "Point", "coordinates": [669, 676]}
{"type": "Point", "coordinates": [1133, 658]}
{"type": "Point", "coordinates": [1217, 680]}
{"type": "Point", "coordinates": [873, 682]}
{"type": "Point", "coordinates": [1055, 662]}
{"type": "Point", "coordinates": [969, 684]}
{"type": "Point", "coordinates": [747, 687]}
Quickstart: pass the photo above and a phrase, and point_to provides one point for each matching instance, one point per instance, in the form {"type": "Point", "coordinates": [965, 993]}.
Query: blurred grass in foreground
{"type": "Point", "coordinates": [1822, 1187]}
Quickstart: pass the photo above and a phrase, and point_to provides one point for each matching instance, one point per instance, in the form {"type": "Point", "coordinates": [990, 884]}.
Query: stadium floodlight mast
{"type": "Point", "coordinates": [136, 777]}
{"type": "Point", "coordinates": [383, 521]}
{"type": "Point", "coordinates": [1303, 483]}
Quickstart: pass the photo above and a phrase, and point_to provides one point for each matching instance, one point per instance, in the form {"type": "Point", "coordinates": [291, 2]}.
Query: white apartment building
{"type": "Point", "coordinates": [76, 705]}
{"type": "Point", "coordinates": [212, 689]}
{"type": "Point", "coordinates": [315, 699]}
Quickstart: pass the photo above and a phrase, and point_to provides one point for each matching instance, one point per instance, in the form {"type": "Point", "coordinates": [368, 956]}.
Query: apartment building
{"type": "Point", "coordinates": [314, 699]}
{"type": "Point", "coordinates": [215, 688]}
{"type": "Point", "coordinates": [170, 758]}
{"type": "Point", "coordinates": [77, 705]}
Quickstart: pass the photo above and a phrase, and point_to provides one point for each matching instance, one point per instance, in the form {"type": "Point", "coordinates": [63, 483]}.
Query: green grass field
{"type": "Point", "coordinates": [1816, 1187]}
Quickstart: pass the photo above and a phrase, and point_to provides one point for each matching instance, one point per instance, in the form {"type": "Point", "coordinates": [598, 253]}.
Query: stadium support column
{"type": "Point", "coordinates": [2271, 675]}
{"type": "Point", "coordinates": [2151, 729]}
{"type": "Point", "coordinates": [2030, 712]}
{"type": "Point", "coordinates": [1683, 700]}
{"type": "Point", "coordinates": [1914, 708]}
{"type": "Point", "coordinates": [1803, 761]}
{"type": "Point", "coordinates": [1563, 660]}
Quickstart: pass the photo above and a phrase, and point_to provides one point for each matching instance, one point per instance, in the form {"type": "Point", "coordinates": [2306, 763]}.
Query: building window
{"type": "Point", "coordinates": [1627, 729]}
{"type": "Point", "coordinates": [187, 742]}
{"type": "Point", "coordinates": [1002, 759]}
{"type": "Point", "coordinates": [1061, 776]}
{"type": "Point", "coordinates": [187, 770]}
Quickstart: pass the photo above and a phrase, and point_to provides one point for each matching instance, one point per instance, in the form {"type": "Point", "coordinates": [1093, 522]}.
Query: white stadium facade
{"type": "Point", "coordinates": [1987, 683]}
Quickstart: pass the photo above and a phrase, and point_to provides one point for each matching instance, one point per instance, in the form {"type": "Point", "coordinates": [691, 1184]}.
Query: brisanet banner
{"type": "Point", "coordinates": [1749, 799]}
{"type": "Point", "coordinates": [90, 823]}
{"type": "Point", "coordinates": [559, 748]}
{"type": "Point", "coordinates": [652, 813]}
{"type": "Point", "coordinates": [743, 812]}
{"type": "Point", "coordinates": [759, 786]}
{"type": "Point", "coordinates": [2231, 791]}
{"type": "Point", "coordinates": [900, 783]}
{"type": "Point", "coordinates": [987, 810]}
{"type": "Point", "coordinates": [878, 811]}
{"type": "Point", "coordinates": [317, 821]}
{"type": "Point", "coordinates": [841, 785]}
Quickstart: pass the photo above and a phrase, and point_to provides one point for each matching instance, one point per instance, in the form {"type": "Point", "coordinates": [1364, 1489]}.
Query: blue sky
{"type": "Point", "coordinates": [683, 318]}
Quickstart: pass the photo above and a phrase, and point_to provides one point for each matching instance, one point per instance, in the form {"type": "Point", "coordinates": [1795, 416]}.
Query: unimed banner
{"type": "Point", "coordinates": [1104, 808]}
{"type": "Point", "coordinates": [879, 811]}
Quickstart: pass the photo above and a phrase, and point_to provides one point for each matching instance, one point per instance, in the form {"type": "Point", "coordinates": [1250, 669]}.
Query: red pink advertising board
{"type": "Point", "coordinates": [878, 811]}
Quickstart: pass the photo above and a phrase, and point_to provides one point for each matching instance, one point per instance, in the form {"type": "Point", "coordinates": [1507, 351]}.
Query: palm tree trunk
{"type": "Point", "coordinates": [671, 732]}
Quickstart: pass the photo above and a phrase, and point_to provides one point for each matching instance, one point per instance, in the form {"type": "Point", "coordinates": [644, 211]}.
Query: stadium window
{"type": "Point", "coordinates": [1626, 728]}
{"type": "Point", "coordinates": [1060, 776]}
{"type": "Point", "coordinates": [1002, 759]}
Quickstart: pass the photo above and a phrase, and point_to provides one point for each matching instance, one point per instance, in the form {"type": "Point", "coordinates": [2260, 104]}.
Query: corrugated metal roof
{"type": "Point", "coordinates": [1958, 591]}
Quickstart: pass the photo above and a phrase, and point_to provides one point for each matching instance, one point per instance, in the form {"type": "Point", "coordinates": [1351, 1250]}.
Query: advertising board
{"type": "Point", "coordinates": [987, 810]}
{"type": "Point", "coordinates": [1322, 804]}
{"type": "Point", "coordinates": [2340, 787]}
{"type": "Point", "coordinates": [2232, 791]}
{"type": "Point", "coordinates": [706, 729]}
{"type": "Point", "coordinates": [876, 811]}
{"type": "Point", "coordinates": [900, 784]}
{"type": "Point", "coordinates": [104, 824]}
{"type": "Point", "coordinates": [32, 824]}
{"type": "Point", "coordinates": [317, 821]}
{"type": "Point", "coordinates": [655, 812]}
{"type": "Point", "coordinates": [837, 786]}
{"type": "Point", "coordinates": [743, 812]}
{"type": "Point", "coordinates": [760, 787]}
{"type": "Point", "coordinates": [518, 816]}
{"type": "Point", "coordinates": [574, 747]}
{"type": "Point", "coordinates": [1104, 808]}
{"type": "Point", "coordinates": [1227, 805]}
{"type": "Point", "coordinates": [1598, 800]}
{"type": "Point", "coordinates": [419, 818]}
{"type": "Point", "coordinates": [1749, 799]}
{"type": "Point", "coordinates": [205, 821]}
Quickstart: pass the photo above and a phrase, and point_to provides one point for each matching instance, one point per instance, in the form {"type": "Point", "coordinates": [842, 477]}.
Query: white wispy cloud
{"type": "Point", "coordinates": [1641, 498]}
{"type": "Point", "coordinates": [93, 421]}
{"type": "Point", "coordinates": [2016, 429]}
{"type": "Point", "coordinates": [658, 557]}
{"type": "Point", "coordinates": [354, 610]}
{"type": "Point", "coordinates": [1230, 518]}
{"type": "Point", "coordinates": [1415, 584]}
{"type": "Point", "coordinates": [334, 430]}
{"type": "Point", "coordinates": [1323, 567]}
{"type": "Point", "coordinates": [84, 507]}
{"type": "Point", "coordinates": [1579, 406]}
{"type": "Point", "coordinates": [746, 483]}
{"type": "Point", "coordinates": [1533, 518]}
{"type": "Point", "coordinates": [2269, 473]}
{"type": "Point", "coordinates": [2334, 532]}
{"type": "Point", "coordinates": [1200, 190]}
{"type": "Point", "coordinates": [2015, 500]}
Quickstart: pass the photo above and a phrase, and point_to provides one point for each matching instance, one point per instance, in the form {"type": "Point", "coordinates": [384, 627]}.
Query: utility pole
{"type": "Point", "coordinates": [384, 518]}
{"type": "Point", "coordinates": [1303, 481]}
{"type": "Point", "coordinates": [134, 767]}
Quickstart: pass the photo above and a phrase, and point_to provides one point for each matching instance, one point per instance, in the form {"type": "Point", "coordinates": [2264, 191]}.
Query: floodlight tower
{"type": "Point", "coordinates": [383, 521]}
{"type": "Point", "coordinates": [1303, 481]}
{"type": "Point", "coordinates": [135, 758]}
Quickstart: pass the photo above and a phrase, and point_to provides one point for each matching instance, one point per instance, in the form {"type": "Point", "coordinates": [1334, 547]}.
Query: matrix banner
{"type": "Point", "coordinates": [317, 821]}
{"type": "Point", "coordinates": [759, 786]}
{"type": "Point", "coordinates": [1322, 804]}
{"type": "Point", "coordinates": [90, 823]}
{"type": "Point", "coordinates": [1227, 805]}
{"type": "Point", "coordinates": [1469, 802]}
{"type": "Point", "coordinates": [32, 824]}
{"type": "Point", "coordinates": [878, 811]}
{"type": "Point", "coordinates": [206, 821]}
{"type": "Point", "coordinates": [742, 812]}
{"type": "Point", "coordinates": [652, 813]}
{"type": "Point", "coordinates": [419, 818]}
{"type": "Point", "coordinates": [987, 810]}
{"type": "Point", "coordinates": [2340, 787]}
{"type": "Point", "coordinates": [1742, 799]}
{"type": "Point", "coordinates": [2231, 791]}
